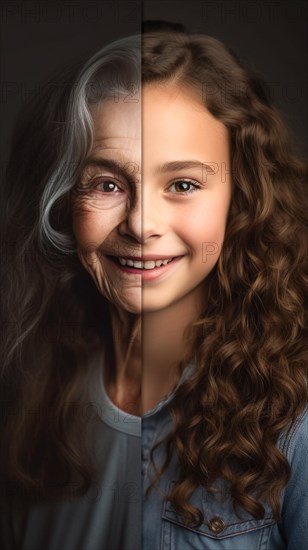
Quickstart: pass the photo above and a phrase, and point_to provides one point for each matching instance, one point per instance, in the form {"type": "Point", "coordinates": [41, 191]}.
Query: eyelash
{"type": "Point", "coordinates": [193, 183]}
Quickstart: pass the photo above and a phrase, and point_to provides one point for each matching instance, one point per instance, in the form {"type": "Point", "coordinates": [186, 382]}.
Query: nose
{"type": "Point", "coordinates": [143, 219]}
{"type": "Point", "coordinates": [152, 217]}
{"type": "Point", "coordinates": [131, 225]}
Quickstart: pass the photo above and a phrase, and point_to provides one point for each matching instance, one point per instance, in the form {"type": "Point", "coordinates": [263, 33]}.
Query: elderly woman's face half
{"type": "Point", "coordinates": [107, 206]}
{"type": "Point", "coordinates": [154, 249]}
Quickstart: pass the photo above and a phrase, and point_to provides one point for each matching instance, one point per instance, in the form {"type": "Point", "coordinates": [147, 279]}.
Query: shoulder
{"type": "Point", "coordinates": [294, 441]}
{"type": "Point", "coordinates": [294, 517]}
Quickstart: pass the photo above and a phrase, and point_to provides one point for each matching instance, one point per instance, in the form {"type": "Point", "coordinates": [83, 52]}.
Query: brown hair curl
{"type": "Point", "coordinates": [251, 379]}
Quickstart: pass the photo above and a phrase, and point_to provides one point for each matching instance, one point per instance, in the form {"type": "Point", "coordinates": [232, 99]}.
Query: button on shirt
{"type": "Point", "coordinates": [222, 529]}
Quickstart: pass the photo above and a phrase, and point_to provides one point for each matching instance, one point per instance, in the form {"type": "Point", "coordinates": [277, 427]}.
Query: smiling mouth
{"type": "Point", "coordinates": [139, 264]}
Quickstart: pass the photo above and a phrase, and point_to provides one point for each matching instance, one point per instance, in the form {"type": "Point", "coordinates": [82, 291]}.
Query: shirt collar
{"type": "Point", "coordinates": [187, 372]}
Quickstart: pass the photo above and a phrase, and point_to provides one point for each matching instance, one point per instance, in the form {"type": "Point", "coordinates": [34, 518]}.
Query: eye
{"type": "Point", "coordinates": [107, 186]}
{"type": "Point", "coordinates": [184, 186]}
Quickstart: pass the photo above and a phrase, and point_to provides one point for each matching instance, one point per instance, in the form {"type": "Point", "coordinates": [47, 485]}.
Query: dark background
{"type": "Point", "coordinates": [39, 37]}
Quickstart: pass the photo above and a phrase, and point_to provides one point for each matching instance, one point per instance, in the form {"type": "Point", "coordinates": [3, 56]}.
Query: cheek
{"type": "Point", "coordinates": [86, 229]}
{"type": "Point", "coordinates": [93, 227]}
{"type": "Point", "coordinates": [203, 224]}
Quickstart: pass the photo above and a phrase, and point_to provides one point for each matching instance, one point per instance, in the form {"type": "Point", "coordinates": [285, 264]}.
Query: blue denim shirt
{"type": "Point", "coordinates": [164, 529]}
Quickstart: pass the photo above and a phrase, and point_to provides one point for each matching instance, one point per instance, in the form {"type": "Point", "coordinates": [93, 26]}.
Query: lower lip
{"type": "Point", "coordinates": [148, 274]}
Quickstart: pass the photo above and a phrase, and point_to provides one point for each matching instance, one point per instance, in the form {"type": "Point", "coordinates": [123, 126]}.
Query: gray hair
{"type": "Point", "coordinates": [114, 71]}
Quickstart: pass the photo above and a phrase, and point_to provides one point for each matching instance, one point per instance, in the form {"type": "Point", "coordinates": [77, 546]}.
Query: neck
{"type": "Point", "coordinates": [146, 368]}
{"type": "Point", "coordinates": [165, 347]}
{"type": "Point", "coordinates": [123, 380]}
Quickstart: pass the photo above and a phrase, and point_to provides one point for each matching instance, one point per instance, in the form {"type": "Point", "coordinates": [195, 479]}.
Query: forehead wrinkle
{"type": "Point", "coordinates": [122, 164]}
{"type": "Point", "coordinates": [97, 147]}
{"type": "Point", "coordinates": [120, 153]}
{"type": "Point", "coordinates": [99, 139]}
{"type": "Point", "coordinates": [106, 144]}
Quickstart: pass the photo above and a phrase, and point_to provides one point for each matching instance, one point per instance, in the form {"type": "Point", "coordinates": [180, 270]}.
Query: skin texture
{"type": "Point", "coordinates": [176, 212]}
{"type": "Point", "coordinates": [107, 220]}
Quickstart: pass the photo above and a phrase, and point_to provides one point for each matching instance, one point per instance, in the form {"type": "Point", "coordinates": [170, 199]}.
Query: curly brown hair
{"type": "Point", "coordinates": [250, 382]}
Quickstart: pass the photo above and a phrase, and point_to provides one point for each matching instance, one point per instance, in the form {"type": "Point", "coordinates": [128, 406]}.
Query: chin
{"type": "Point", "coordinates": [151, 306]}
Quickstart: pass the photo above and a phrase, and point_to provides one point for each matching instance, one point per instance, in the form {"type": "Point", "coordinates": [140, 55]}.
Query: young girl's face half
{"type": "Point", "coordinates": [186, 193]}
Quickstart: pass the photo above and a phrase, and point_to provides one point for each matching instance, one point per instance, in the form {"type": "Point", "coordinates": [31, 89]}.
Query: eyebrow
{"type": "Point", "coordinates": [177, 165]}
{"type": "Point", "coordinates": [173, 166]}
{"type": "Point", "coordinates": [115, 167]}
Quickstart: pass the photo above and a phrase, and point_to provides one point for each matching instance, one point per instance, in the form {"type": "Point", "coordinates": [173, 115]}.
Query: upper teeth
{"type": "Point", "coordinates": [150, 264]}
